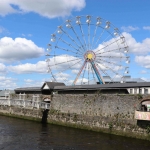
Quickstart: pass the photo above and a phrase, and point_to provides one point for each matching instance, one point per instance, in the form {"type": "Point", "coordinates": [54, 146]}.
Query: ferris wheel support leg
{"type": "Point", "coordinates": [79, 72]}
{"type": "Point", "coordinates": [100, 79]}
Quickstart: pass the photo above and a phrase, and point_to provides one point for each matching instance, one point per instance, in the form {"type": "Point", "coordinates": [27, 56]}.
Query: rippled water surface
{"type": "Point", "coordinates": [17, 134]}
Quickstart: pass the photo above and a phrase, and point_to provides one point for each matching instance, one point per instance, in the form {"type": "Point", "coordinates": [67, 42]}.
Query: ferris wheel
{"type": "Point", "coordinates": [87, 50]}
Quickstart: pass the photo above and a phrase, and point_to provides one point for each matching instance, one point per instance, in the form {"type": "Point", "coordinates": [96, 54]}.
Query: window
{"type": "Point", "coordinates": [135, 91]}
{"type": "Point", "coordinates": [140, 91]}
{"type": "Point", "coordinates": [131, 91]}
{"type": "Point", "coordinates": [145, 91]}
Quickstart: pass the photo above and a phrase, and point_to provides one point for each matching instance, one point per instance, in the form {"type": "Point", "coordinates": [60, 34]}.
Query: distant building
{"type": "Point", "coordinates": [125, 79]}
{"type": "Point", "coordinates": [122, 88]}
{"type": "Point", "coordinates": [46, 88]}
{"type": "Point", "coordinates": [132, 86]}
{"type": "Point", "coordinates": [5, 93]}
{"type": "Point", "coordinates": [29, 90]}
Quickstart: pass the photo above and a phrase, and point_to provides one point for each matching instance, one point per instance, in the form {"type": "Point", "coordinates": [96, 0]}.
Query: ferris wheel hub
{"type": "Point", "coordinates": [89, 55]}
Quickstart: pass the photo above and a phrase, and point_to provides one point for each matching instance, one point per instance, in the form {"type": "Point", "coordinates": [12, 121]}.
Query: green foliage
{"type": "Point", "coordinates": [139, 96]}
{"type": "Point", "coordinates": [75, 117]}
{"type": "Point", "coordinates": [110, 126]}
{"type": "Point", "coordinates": [85, 95]}
{"type": "Point", "coordinates": [13, 95]}
{"type": "Point", "coordinates": [27, 95]}
{"type": "Point", "coordinates": [148, 129]}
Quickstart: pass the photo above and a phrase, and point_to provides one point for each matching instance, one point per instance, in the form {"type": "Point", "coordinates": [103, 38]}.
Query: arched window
{"type": "Point", "coordinates": [145, 105]}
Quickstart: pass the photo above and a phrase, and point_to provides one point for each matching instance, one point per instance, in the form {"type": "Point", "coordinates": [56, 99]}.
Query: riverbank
{"type": "Point", "coordinates": [23, 134]}
{"type": "Point", "coordinates": [112, 114]}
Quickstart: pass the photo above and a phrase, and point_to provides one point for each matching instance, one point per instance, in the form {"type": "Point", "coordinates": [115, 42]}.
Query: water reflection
{"type": "Point", "coordinates": [17, 134]}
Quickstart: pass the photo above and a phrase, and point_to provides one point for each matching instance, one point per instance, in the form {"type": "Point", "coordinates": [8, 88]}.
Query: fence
{"type": "Point", "coordinates": [24, 103]}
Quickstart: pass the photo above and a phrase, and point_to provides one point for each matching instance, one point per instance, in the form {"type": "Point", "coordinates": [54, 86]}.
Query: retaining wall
{"type": "Point", "coordinates": [21, 112]}
{"type": "Point", "coordinates": [98, 112]}
{"type": "Point", "coordinates": [110, 113]}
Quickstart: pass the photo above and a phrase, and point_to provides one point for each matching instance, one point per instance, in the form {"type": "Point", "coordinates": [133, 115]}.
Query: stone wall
{"type": "Point", "coordinates": [100, 112]}
{"type": "Point", "coordinates": [21, 112]}
{"type": "Point", "coordinates": [29, 96]}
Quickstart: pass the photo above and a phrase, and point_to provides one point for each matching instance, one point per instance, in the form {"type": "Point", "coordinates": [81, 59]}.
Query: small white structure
{"type": "Point", "coordinates": [141, 90]}
{"type": "Point", "coordinates": [22, 96]}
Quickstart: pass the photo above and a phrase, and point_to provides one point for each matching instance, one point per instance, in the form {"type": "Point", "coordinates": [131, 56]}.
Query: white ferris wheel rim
{"type": "Point", "coordinates": [79, 44]}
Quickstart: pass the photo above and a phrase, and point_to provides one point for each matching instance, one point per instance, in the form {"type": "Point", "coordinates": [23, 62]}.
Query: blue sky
{"type": "Point", "coordinates": [26, 27]}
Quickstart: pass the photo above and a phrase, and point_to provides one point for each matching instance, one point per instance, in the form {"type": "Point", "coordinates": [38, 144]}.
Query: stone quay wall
{"type": "Point", "coordinates": [21, 112]}
{"type": "Point", "coordinates": [110, 113]}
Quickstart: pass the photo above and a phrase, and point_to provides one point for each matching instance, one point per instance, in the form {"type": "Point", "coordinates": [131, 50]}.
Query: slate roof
{"type": "Point", "coordinates": [104, 86]}
{"type": "Point", "coordinates": [2, 93]}
{"type": "Point", "coordinates": [127, 79]}
{"type": "Point", "coordinates": [28, 89]}
{"type": "Point", "coordinates": [51, 85]}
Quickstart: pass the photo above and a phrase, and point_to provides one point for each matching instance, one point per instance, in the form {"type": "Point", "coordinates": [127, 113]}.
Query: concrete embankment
{"type": "Point", "coordinates": [105, 113]}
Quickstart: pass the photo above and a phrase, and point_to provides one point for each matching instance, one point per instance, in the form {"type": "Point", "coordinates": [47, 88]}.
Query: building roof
{"type": "Point", "coordinates": [127, 79]}
{"type": "Point", "coordinates": [104, 86]}
{"type": "Point", "coordinates": [3, 92]}
{"type": "Point", "coordinates": [51, 85]}
{"type": "Point", "coordinates": [28, 89]}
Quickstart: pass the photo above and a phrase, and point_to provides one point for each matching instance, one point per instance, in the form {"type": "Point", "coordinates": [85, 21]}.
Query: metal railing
{"type": "Point", "coordinates": [24, 103]}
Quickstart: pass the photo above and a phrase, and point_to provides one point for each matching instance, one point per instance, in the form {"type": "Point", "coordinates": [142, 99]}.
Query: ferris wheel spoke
{"type": "Point", "coordinates": [70, 45]}
{"type": "Point", "coordinates": [84, 69]}
{"type": "Point", "coordinates": [83, 36]}
{"type": "Point", "coordinates": [89, 46]}
{"type": "Point", "coordinates": [109, 68]}
{"type": "Point", "coordinates": [99, 37]}
{"type": "Point", "coordinates": [88, 72]}
{"type": "Point", "coordinates": [78, 38]}
{"type": "Point", "coordinates": [73, 40]}
{"type": "Point", "coordinates": [117, 49]}
{"type": "Point", "coordinates": [68, 50]}
{"type": "Point", "coordinates": [49, 70]}
{"type": "Point", "coordinates": [104, 71]}
{"type": "Point", "coordinates": [106, 46]}
{"type": "Point", "coordinates": [63, 62]}
{"type": "Point", "coordinates": [93, 73]}
{"type": "Point", "coordinates": [110, 62]}
{"type": "Point", "coordinates": [93, 38]}
{"type": "Point", "coordinates": [67, 68]}
{"type": "Point", "coordinates": [114, 38]}
{"type": "Point", "coordinates": [112, 57]}
{"type": "Point", "coordinates": [60, 55]}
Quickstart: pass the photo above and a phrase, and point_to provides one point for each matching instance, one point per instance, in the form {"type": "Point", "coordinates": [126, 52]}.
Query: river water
{"type": "Point", "coordinates": [17, 134]}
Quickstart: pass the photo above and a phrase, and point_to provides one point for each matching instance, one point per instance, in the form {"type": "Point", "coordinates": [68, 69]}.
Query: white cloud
{"type": "Point", "coordinates": [146, 27]}
{"type": "Point", "coordinates": [28, 80]}
{"type": "Point", "coordinates": [2, 68]}
{"type": "Point", "coordinates": [143, 61]}
{"type": "Point", "coordinates": [65, 62]}
{"type": "Point", "coordinates": [7, 83]}
{"type": "Point", "coordinates": [18, 49]}
{"type": "Point", "coordinates": [143, 72]}
{"type": "Point", "coordinates": [129, 28]}
{"type": "Point", "coordinates": [33, 83]}
{"type": "Point", "coordinates": [146, 79]}
{"type": "Point", "coordinates": [6, 8]}
{"type": "Point", "coordinates": [46, 8]}
{"type": "Point", "coordinates": [2, 29]}
{"type": "Point", "coordinates": [40, 67]}
{"type": "Point", "coordinates": [24, 35]}
{"type": "Point", "coordinates": [58, 64]}
{"type": "Point", "coordinates": [137, 47]}
{"type": "Point", "coordinates": [75, 71]}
